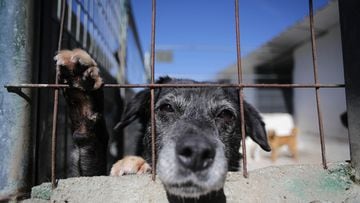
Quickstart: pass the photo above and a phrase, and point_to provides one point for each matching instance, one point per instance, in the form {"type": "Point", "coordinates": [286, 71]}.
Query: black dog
{"type": "Point", "coordinates": [86, 106]}
{"type": "Point", "coordinates": [197, 131]}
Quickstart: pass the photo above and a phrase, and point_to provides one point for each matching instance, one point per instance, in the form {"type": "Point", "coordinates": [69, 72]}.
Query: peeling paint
{"type": "Point", "coordinates": [323, 183]}
{"type": "Point", "coordinates": [16, 39]}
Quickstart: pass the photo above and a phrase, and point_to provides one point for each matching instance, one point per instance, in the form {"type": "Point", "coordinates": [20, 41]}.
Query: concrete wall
{"type": "Point", "coordinates": [15, 56]}
{"type": "Point", "coordinates": [333, 103]}
{"type": "Point", "coordinates": [291, 183]}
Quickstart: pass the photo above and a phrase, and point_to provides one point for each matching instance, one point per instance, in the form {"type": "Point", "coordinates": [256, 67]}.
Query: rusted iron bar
{"type": "Point", "coordinates": [56, 105]}
{"type": "Point", "coordinates": [152, 103]}
{"type": "Point", "coordinates": [153, 147]}
{"type": "Point", "coordinates": [241, 91]}
{"type": "Point", "coordinates": [316, 80]}
{"type": "Point", "coordinates": [202, 85]}
{"type": "Point", "coordinates": [53, 134]}
{"type": "Point", "coordinates": [37, 86]}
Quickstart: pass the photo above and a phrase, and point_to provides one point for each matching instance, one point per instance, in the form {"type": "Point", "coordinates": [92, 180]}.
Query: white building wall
{"type": "Point", "coordinates": [248, 78]}
{"type": "Point", "coordinates": [330, 70]}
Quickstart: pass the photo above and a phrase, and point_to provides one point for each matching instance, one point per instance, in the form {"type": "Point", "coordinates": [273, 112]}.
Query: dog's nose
{"type": "Point", "coordinates": [195, 152]}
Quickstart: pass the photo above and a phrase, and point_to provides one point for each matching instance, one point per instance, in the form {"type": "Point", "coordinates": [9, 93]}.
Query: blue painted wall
{"type": "Point", "coordinates": [15, 56]}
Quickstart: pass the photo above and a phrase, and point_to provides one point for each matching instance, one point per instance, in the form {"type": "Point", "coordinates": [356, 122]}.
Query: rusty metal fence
{"type": "Point", "coordinates": [152, 86]}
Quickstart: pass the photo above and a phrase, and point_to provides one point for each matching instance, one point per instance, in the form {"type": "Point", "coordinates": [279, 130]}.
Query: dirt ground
{"type": "Point", "coordinates": [337, 150]}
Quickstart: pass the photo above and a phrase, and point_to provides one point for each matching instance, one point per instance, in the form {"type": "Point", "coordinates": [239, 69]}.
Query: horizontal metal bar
{"type": "Point", "coordinates": [186, 85]}
{"type": "Point", "coordinates": [37, 86]}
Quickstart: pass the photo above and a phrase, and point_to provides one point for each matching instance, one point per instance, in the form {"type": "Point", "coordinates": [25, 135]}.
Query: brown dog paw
{"type": "Point", "coordinates": [78, 69]}
{"type": "Point", "coordinates": [130, 165]}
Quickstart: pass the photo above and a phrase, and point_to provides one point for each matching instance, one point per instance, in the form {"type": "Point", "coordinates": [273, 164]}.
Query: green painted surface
{"type": "Point", "coordinates": [42, 191]}
{"type": "Point", "coordinates": [338, 179]}
{"type": "Point", "coordinates": [321, 182]}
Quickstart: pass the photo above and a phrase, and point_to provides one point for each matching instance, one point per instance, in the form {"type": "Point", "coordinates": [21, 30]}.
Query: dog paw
{"type": "Point", "coordinates": [130, 165]}
{"type": "Point", "coordinates": [78, 69]}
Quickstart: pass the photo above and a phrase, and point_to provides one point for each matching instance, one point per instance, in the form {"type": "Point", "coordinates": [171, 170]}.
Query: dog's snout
{"type": "Point", "coordinates": [195, 152]}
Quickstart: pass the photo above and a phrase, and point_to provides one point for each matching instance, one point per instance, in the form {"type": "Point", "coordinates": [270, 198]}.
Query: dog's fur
{"type": "Point", "coordinates": [197, 132]}
{"type": "Point", "coordinates": [276, 142]}
{"type": "Point", "coordinates": [86, 106]}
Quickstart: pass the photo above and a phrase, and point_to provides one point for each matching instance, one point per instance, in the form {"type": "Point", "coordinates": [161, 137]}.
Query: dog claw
{"type": "Point", "coordinates": [69, 60]}
{"type": "Point", "coordinates": [130, 165]}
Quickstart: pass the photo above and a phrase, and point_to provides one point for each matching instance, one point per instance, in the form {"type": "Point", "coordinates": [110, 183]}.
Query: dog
{"type": "Point", "coordinates": [198, 132]}
{"type": "Point", "coordinates": [281, 132]}
{"type": "Point", "coordinates": [85, 100]}
{"type": "Point", "coordinates": [276, 142]}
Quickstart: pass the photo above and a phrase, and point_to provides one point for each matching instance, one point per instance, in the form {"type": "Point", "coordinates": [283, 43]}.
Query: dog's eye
{"type": "Point", "coordinates": [166, 108]}
{"type": "Point", "coordinates": [226, 115]}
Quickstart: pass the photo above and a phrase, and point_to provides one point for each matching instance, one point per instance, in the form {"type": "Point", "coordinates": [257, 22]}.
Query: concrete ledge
{"type": "Point", "coordinates": [294, 183]}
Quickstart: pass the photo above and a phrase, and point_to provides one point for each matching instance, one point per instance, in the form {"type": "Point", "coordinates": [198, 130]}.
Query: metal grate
{"type": "Point", "coordinates": [152, 86]}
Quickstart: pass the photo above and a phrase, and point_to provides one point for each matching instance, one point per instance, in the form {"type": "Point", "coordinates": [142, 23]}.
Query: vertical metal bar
{"type": "Point", "coordinates": [69, 20]}
{"type": "Point", "coordinates": [315, 68]}
{"type": "Point", "coordinates": [85, 31]}
{"type": "Point", "coordinates": [152, 64]}
{"type": "Point", "coordinates": [55, 109]}
{"type": "Point", "coordinates": [58, 10]}
{"type": "Point", "coordinates": [241, 91]}
{"type": "Point", "coordinates": [77, 16]}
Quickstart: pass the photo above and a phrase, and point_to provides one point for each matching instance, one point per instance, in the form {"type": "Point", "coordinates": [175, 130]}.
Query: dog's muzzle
{"type": "Point", "coordinates": [195, 152]}
{"type": "Point", "coordinates": [192, 163]}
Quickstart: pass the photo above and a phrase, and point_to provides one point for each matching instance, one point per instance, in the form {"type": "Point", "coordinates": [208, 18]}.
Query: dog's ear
{"type": "Point", "coordinates": [138, 107]}
{"type": "Point", "coordinates": [164, 80]}
{"type": "Point", "coordinates": [255, 126]}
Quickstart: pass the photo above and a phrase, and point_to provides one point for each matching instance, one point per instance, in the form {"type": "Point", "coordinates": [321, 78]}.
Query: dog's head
{"type": "Point", "coordinates": [197, 134]}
